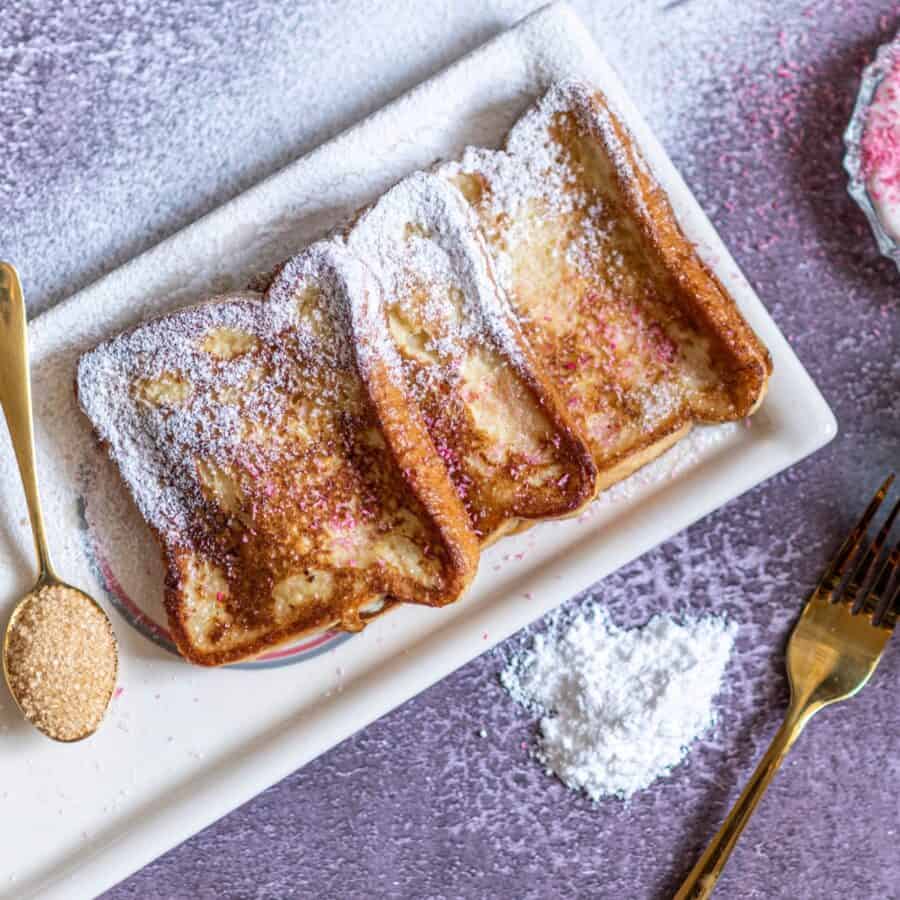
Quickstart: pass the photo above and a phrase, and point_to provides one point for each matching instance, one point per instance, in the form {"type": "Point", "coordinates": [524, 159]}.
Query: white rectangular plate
{"type": "Point", "coordinates": [183, 745]}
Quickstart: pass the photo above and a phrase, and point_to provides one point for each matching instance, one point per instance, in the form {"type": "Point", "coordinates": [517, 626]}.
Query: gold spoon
{"type": "Point", "coordinates": [60, 656]}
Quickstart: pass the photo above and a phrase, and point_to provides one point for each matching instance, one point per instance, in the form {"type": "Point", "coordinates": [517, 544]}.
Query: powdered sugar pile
{"type": "Point", "coordinates": [621, 708]}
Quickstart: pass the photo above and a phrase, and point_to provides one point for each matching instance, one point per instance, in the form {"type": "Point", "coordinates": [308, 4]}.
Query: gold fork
{"type": "Point", "coordinates": [833, 651]}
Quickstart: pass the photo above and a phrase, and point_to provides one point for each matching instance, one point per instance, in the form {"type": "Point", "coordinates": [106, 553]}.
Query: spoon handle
{"type": "Point", "coordinates": [15, 398]}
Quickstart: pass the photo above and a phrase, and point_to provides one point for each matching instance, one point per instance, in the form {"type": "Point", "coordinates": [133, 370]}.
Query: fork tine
{"type": "Point", "coordinates": [863, 584]}
{"type": "Point", "coordinates": [837, 568]}
{"type": "Point", "coordinates": [886, 597]}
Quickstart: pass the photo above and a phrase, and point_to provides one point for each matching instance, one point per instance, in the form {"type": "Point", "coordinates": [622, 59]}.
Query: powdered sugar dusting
{"type": "Point", "coordinates": [351, 303]}
{"type": "Point", "coordinates": [530, 170]}
{"type": "Point", "coordinates": [421, 236]}
{"type": "Point", "coordinates": [208, 405]}
{"type": "Point", "coordinates": [420, 239]}
{"type": "Point", "coordinates": [620, 709]}
{"type": "Point", "coordinates": [142, 436]}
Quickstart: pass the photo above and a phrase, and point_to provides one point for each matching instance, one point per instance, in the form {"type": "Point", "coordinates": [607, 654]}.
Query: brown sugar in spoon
{"type": "Point", "coordinates": [59, 654]}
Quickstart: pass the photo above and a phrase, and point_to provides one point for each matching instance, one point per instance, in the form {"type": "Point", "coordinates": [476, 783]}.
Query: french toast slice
{"type": "Point", "coordinates": [277, 463]}
{"type": "Point", "coordinates": [637, 334]}
{"type": "Point", "coordinates": [493, 417]}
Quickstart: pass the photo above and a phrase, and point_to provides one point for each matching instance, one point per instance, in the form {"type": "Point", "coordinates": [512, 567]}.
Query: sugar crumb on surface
{"type": "Point", "coordinates": [620, 708]}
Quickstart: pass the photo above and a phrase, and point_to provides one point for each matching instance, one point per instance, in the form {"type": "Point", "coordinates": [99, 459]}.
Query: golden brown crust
{"type": "Point", "coordinates": [174, 562]}
{"type": "Point", "coordinates": [700, 290]}
{"type": "Point", "coordinates": [573, 449]}
{"type": "Point", "coordinates": [412, 449]}
{"type": "Point", "coordinates": [638, 335]}
{"type": "Point", "coordinates": [622, 470]}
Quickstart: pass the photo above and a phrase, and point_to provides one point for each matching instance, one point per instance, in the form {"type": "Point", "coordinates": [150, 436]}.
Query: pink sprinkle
{"type": "Point", "coordinates": [219, 596]}
{"type": "Point", "coordinates": [662, 344]}
{"type": "Point", "coordinates": [118, 693]}
{"type": "Point", "coordinates": [485, 636]}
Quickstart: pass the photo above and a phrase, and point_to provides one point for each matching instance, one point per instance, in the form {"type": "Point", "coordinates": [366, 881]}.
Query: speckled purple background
{"type": "Point", "coordinates": [122, 121]}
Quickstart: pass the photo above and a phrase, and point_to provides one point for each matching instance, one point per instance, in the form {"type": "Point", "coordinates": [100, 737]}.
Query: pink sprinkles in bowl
{"type": "Point", "coordinates": [872, 140]}
{"type": "Point", "coordinates": [881, 150]}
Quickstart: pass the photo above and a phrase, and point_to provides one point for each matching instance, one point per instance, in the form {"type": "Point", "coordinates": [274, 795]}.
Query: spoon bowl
{"type": "Point", "coordinates": [63, 633]}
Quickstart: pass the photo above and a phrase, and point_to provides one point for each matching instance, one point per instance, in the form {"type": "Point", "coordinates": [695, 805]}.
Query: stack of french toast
{"type": "Point", "coordinates": [487, 345]}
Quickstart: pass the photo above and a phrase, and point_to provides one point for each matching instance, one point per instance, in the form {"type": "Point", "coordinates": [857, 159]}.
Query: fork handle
{"type": "Point", "coordinates": [701, 882]}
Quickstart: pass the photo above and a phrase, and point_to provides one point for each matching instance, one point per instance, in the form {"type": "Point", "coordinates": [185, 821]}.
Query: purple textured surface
{"type": "Point", "coordinates": [418, 805]}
